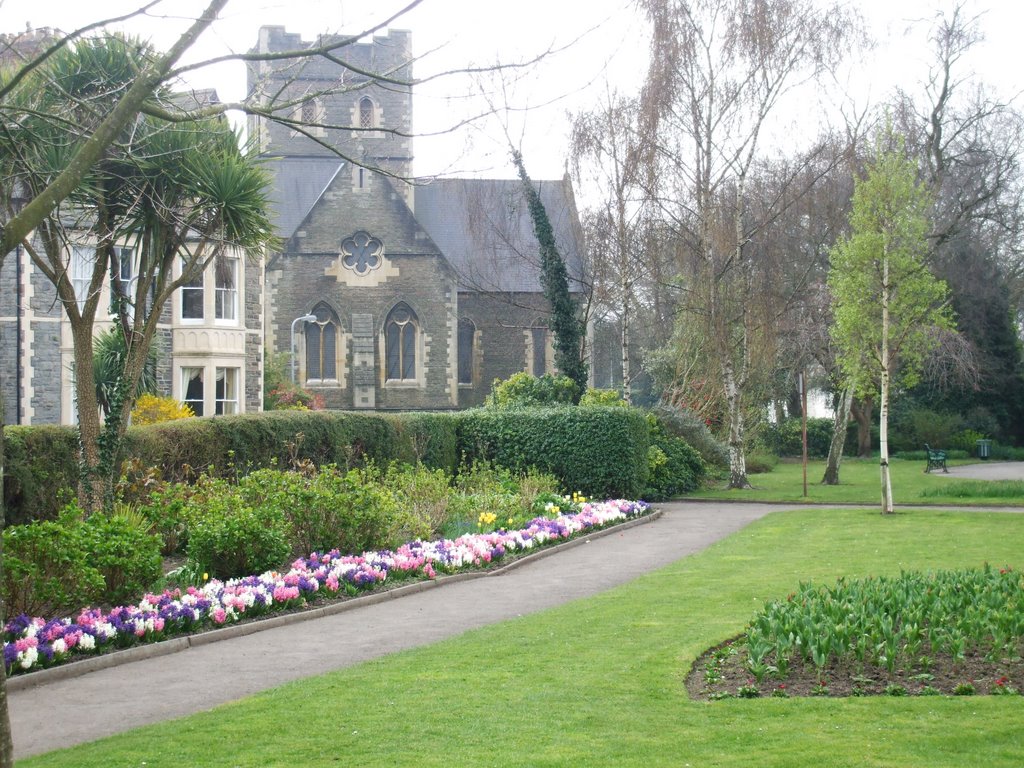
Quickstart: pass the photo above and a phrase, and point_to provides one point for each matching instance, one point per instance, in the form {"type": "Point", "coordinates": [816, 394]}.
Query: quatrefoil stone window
{"type": "Point", "coordinates": [361, 253]}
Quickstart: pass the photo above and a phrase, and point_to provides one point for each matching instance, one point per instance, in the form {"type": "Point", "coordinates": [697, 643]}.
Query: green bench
{"type": "Point", "coordinates": [936, 459]}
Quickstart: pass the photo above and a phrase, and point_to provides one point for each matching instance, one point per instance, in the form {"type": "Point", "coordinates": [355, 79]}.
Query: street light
{"type": "Point", "coordinates": [296, 321]}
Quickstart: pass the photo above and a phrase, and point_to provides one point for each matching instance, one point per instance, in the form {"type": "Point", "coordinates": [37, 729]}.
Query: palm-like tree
{"type": "Point", "coordinates": [172, 191]}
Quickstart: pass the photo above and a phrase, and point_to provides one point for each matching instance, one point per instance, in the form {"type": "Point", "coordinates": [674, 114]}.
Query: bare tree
{"type": "Point", "coordinates": [968, 142]}
{"type": "Point", "coordinates": [606, 150]}
{"type": "Point", "coordinates": [719, 68]}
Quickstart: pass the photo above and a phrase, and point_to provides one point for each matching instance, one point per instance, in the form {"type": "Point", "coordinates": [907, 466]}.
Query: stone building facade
{"type": "Point", "coordinates": [424, 291]}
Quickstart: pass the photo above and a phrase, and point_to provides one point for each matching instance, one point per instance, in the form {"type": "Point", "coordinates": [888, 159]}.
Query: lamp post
{"type": "Point", "coordinates": [296, 321]}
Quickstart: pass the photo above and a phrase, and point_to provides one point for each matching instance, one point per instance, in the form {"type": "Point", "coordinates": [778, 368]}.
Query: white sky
{"type": "Point", "coordinates": [607, 42]}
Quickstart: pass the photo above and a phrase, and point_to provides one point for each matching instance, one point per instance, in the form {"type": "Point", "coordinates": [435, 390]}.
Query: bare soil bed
{"type": "Point", "coordinates": [721, 673]}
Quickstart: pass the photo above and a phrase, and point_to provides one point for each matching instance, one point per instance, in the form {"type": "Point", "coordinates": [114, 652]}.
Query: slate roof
{"type": "Point", "coordinates": [484, 229]}
{"type": "Point", "coordinates": [298, 182]}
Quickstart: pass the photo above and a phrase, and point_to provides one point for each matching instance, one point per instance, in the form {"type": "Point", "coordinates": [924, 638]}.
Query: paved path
{"type": "Point", "coordinates": [987, 470]}
{"type": "Point", "coordinates": [116, 699]}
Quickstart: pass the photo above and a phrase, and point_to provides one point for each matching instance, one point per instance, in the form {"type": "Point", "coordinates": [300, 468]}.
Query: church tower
{"type": "Point", "coordinates": [367, 93]}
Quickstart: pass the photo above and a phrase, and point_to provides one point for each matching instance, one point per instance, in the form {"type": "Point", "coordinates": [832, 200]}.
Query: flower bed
{"type": "Point", "coordinates": [34, 643]}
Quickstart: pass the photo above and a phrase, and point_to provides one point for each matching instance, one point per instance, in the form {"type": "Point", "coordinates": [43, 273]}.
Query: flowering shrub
{"type": "Point", "coordinates": [33, 643]}
{"type": "Point", "coordinates": [290, 398]}
{"type": "Point", "coordinates": [150, 409]}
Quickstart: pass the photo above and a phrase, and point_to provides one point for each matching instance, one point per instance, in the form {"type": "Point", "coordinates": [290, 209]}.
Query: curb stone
{"type": "Point", "coordinates": [182, 643]}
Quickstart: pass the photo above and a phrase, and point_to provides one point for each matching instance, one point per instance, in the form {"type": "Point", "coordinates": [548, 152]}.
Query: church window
{"type": "Point", "coordinates": [311, 116]}
{"type": "Point", "coordinates": [400, 338]}
{"type": "Point", "coordinates": [322, 346]}
{"type": "Point", "coordinates": [366, 110]}
{"type": "Point", "coordinates": [467, 337]}
{"type": "Point", "coordinates": [361, 252]}
{"type": "Point", "coordinates": [540, 351]}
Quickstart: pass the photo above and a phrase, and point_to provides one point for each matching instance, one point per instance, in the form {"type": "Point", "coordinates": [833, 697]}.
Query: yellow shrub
{"type": "Point", "coordinates": [150, 409]}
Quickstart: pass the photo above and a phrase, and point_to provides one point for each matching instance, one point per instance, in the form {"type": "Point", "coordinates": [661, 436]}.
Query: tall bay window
{"type": "Point", "coordinates": [226, 394]}
{"type": "Point", "coordinates": [192, 297]}
{"type": "Point", "coordinates": [192, 387]}
{"type": "Point", "coordinates": [226, 288]}
{"type": "Point", "coordinates": [83, 258]}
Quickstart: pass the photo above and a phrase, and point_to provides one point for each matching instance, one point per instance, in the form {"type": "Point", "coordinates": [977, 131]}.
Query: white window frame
{"type": "Point", "coordinates": [80, 267]}
{"type": "Point", "coordinates": [185, 376]}
{"type": "Point", "coordinates": [199, 286]}
{"type": "Point", "coordinates": [228, 404]}
{"type": "Point", "coordinates": [226, 297]}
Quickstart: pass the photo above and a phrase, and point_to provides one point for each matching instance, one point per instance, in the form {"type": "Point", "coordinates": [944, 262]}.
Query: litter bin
{"type": "Point", "coordinates": [984, 449]}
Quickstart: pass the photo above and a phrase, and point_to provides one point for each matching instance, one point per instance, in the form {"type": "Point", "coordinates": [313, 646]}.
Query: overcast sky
{"type": "Point", "coordinates": [604, 39]}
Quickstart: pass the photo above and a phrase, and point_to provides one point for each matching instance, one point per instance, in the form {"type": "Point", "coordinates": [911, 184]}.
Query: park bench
{"type": "Point", "coordinates": [936, 459]}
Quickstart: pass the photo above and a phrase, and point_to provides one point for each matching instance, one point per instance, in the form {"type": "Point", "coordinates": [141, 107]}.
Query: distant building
{"type": "Point", "coordinates": [424, 291]}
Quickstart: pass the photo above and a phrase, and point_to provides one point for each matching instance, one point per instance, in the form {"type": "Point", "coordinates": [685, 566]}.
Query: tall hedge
{"type": "Point", "coordinates": [40, 471]}
{"type": "Point", "coordinates": [599, 451]}
{"type": "Point", "coordinates": [42, 462]}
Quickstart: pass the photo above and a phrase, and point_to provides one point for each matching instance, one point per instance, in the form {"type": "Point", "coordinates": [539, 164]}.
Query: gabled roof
{"type": "Point", "coordinates": [298, 182]}
{"type": "Point", "coordinates": [484, 229]}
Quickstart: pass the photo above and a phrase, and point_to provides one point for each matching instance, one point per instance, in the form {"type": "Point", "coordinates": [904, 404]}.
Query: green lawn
{"type": "Point", "coordinates": [859, 484]}
{"type": "Point", "coordinates": [599, 682]}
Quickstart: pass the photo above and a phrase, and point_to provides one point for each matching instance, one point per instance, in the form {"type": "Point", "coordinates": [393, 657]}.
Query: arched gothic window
{"type": "Point", "coordinates": [467, 338]}
{"type": "Point", "coordinates": [322, 345]}
{"type": "Point", "coordinates": [366, 116]}
{"type": "Point", "coordinates": [400, 340]}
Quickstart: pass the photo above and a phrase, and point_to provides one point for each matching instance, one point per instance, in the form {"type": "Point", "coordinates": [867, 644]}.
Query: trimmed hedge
{"type": "Point", "coordinates": [599, 451]}
{"type": "Point", "coordinates": [40, 472]}
{"type": "Point", "coordinates": [42, 462]}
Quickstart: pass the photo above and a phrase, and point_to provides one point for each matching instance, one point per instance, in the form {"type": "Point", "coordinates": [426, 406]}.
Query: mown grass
{"type": "Point", "coordinates": [860, 484]}
{"type": "Point", "coordinates": [976, 489]}
{"type": "Point", "coordinates": [599, 682]}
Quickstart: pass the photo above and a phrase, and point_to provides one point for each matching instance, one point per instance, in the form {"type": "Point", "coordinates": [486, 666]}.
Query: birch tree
{"type": "Point", "coordinates": [719, 69]}
{"type": "Point", "coordinates": [886, 301]}
{"type": "Point", "coordinates": [606, 148]}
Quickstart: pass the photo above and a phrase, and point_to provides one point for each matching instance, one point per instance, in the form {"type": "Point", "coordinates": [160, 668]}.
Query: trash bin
{"type": "Point", "coordinates": [984, 449]}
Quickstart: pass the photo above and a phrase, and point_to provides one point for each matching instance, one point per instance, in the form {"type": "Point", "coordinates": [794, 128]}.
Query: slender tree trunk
{"type": "Point", "coordinates": [627, 395]}
{"type": "Point", "coordinates": [835, 448]}
{"type": "Point", "coordinates": [91, 482]}
{"type": "Point", "coordinates": [861, 409]}
{"type": "Point", "coordinates": [883, 405]}
{"type": "Point", "coordinates": [737, 460]}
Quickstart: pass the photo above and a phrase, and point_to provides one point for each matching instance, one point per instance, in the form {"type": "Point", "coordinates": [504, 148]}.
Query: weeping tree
{"type": "Point", "coordinates": [718, 72]}
{"type": "Point", "coordinates": [175, 195]}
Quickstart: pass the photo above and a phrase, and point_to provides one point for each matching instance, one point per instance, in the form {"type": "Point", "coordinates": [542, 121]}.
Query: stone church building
{"type": "Point", "coordinates": [424, 291]}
